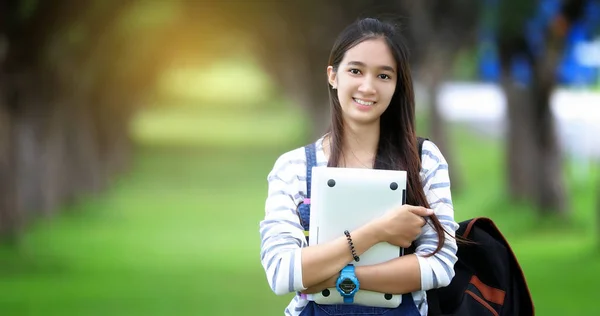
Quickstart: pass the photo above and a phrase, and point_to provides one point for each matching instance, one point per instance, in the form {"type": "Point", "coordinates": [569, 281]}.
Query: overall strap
{"type": "Point", "coordinates": [304, 207]}
{"type": "Point", "coordinates": [311, 161]}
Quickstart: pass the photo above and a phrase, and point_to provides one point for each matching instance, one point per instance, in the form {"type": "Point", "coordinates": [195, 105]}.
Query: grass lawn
{"type": "Point", "coordinates": [178, 235]}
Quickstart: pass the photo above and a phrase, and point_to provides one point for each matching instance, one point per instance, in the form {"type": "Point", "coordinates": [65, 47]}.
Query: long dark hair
{"type": "Point", "coordinates": [397, 147]}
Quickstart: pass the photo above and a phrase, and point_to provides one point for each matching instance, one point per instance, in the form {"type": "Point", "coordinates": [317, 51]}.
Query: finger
{"type": "Point", "coordinates": [421, 211]}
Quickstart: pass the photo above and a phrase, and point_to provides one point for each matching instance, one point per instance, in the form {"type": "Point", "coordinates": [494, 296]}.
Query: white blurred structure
{"type": "Point", "coordinates": [483, 106]}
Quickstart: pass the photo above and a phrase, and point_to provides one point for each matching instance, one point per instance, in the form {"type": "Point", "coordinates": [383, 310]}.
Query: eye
{"type": "Point", "coordinates": [354, 71]}
{"type": "Point", "coordinates": [384, 77]}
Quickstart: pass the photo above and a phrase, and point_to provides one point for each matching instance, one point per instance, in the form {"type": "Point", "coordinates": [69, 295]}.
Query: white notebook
{"type": "Point", "coordinates": [345, 199]}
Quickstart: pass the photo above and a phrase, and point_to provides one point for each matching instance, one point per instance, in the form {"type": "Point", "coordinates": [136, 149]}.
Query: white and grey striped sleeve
{"type": "Point", "coordinates": [282, 236]}
{"type": "Point", "coordinates": [437, 270]}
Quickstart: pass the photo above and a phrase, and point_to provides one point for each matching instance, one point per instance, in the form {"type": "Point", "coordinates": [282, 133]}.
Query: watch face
{"type": "Point", "coordinates": [347, 286]}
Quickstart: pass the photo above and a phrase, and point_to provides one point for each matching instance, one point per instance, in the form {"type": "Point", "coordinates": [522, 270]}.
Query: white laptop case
{"type": "Point", "coordinates": [345, 199]}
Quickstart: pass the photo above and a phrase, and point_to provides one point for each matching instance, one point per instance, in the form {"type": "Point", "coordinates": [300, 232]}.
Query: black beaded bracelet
{"type": "Point", "coordinates": [356, 258]}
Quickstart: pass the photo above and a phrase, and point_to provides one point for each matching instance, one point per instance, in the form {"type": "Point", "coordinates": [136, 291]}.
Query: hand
{"type": "Point", "coordinates": [401, 226]}
{"type": "Point", "coordinates": [329, 283]}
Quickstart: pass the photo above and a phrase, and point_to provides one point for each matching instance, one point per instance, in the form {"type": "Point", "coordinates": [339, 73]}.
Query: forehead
{"type": "Point", "coordinates": [372, 52]}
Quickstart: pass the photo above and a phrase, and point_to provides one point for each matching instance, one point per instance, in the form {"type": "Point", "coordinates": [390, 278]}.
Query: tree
{"type": "Point", "coordinates": [71, 75]}
{"type": "Point", "coordinates": [534, 158]}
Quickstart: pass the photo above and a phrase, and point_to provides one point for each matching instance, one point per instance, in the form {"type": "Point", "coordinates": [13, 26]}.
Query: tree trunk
{"type": "Point", "coordinates": [520, 141]}
{"type": "Point", "coordinates": [318, 108]}
{"type": "Point", "coordinates": [533, 156]}
{"type": "Point", "coordinates": [434, 70]}
{"type": "Point", "coordinates": [72, 157]}
{"type": "Point", "coordinates": [29, 166]}
{"type": "Point", "coordinates": [551, 197]}
{"type": "Point", "coordinates": [54, 179]}
{"type": "Point", "coordinates": [10, 218]}
{"type": "Point", "coordinates": [30, 125]}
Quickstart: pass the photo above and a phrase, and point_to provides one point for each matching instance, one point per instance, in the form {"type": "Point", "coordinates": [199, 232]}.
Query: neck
{"type": "Point", "coordinates": [360, 144]}
{"type": "Point", "coordinates": [361, 139]}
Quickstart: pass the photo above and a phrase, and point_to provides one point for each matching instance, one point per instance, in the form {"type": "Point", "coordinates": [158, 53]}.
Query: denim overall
{"type": "Point", "coordinates": [406, 308]}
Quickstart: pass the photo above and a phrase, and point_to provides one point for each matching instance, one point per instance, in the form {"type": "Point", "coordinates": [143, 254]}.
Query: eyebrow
{"type": "Point", "coordinates": [361, 64]}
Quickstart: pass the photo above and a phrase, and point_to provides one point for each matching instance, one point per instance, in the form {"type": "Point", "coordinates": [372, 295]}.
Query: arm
{"type": "Point", "coordinates": [289, 263]}
{"type": "Point", "coordinates": [397, 276]}
{"type": "Point", "coordinates": [417, 272]}
{"type": "Point", "coordinates": [321, 262]}
{"type": "Point", "coordinates": [400, 275]}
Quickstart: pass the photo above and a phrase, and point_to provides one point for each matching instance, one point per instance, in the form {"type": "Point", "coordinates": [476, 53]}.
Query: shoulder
{"type": "Point", "coordinates": [289, 163]}
{"type": "Point", "coordinates": [432, 160]}
{"type": "Point", "coordinates": [431, 154]}
{"type": "Point", "coordinates": [296, 157]}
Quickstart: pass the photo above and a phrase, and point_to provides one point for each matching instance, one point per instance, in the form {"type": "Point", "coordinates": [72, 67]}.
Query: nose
{"type": "Point", "coordinates": [367, 86]}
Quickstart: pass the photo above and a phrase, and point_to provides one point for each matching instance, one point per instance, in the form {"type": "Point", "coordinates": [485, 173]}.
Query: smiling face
{"type": "Point", "coordinates": [365, 81]}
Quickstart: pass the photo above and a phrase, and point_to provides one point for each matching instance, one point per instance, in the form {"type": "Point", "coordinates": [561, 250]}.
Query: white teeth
{"type": "Point", "coordinates": [361, 102]}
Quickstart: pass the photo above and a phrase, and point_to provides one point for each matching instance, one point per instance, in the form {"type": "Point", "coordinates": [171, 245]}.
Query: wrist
{"type": "Point", "coordinates": [374, 231]}
{"type": "Point", "coordinates": [347, 284]}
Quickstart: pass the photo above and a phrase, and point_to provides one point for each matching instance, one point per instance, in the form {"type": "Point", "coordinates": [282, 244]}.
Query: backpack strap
{"type": "Point", "coordinates": [304, 207]}
{"type": "Point", "coordinates": [420, 141]}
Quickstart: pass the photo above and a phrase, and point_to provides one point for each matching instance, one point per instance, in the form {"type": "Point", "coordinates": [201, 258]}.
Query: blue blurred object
{"type": "Point", "coordinates": [521, 70]}
{"type": "Point", "coordinates": [489, 66]}
{"type": "Point", "coordinates": [573, 70]}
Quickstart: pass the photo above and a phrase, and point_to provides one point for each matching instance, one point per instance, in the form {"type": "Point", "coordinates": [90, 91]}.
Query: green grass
{"type": "Point", "coordinates": [178, 234]}
{"type": "Point", "coordinates": [166, 240]}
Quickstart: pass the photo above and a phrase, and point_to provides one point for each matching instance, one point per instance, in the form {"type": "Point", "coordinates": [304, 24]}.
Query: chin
{"type": "Point", "coordinates": [364, 119]}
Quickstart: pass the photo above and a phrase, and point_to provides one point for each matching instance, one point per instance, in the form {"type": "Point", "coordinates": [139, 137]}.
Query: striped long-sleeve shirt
{"type": "Point", "coordinates": [282, 235]}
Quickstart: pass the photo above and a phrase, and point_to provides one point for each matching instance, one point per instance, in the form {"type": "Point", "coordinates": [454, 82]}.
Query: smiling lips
{"type": "Point", "coordinates": [362, 102]}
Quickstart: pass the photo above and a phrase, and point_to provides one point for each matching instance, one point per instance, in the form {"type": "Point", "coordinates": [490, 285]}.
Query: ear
{"type": "Point", "coordinates": [332, 77]}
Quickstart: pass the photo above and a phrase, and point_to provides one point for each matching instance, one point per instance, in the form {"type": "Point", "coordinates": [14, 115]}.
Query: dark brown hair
{"type": "Point", "coordinates": [397, 147]}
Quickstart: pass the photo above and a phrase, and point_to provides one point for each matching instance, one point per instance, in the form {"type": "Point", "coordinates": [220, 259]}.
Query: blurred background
{"type": "Point", "coordinates": [136, 138]}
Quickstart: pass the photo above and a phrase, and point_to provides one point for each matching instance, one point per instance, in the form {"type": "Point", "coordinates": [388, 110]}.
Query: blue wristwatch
{"type": "Point", "coordinates": [347, 284]}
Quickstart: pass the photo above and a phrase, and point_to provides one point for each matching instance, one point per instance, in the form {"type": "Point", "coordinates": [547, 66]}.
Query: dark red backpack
{"type": "Point", "coordinates": [488, 278]}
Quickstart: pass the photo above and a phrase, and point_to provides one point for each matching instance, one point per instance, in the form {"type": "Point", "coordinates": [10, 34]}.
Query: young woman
{"type": "Point", "coordinates": [373, 126]}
